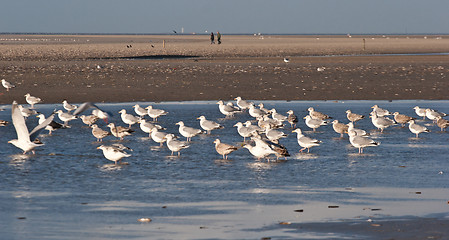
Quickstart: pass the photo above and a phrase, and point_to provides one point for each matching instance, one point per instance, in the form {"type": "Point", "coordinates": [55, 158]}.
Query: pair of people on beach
{"type": "Point", "coordinates": [212, 38]}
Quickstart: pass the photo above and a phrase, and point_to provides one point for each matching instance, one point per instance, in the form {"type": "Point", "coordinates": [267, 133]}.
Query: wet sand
{"type": "Point", "coordinates": [129, 68]}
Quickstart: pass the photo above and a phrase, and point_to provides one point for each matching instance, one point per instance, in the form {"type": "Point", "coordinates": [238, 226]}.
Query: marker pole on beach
{"type": "Point", "coordinates": [163, 43]}
{"type": "Point", "coordinates": [364, 44]}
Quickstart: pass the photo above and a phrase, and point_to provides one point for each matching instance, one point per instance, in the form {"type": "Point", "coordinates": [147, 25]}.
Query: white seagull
{"type": "Point", "coordinates": [32, 100]}
{"type": "Point", "coordinates": [380, 112]}
{"type": "Point", "coordinates": [227, 110]}
{"type": "Point", "coordinates": [361, 142]}
{"type": "Point", "coordinates": [188, 132]}
{"type": "Point", "coordinates": [305, 142]}
{"type": "Point", "coordinates": [208, 125]}
{"type": "Point", "coordinates": [7, 85]}
{"type": "Point", "coordinates": [314, 123]}
{"type": "Point", "coordinates": [242, 103]}
{"type": "Point", "coordinates": [381, 122]}
{"type": "Point", "coordinates": [416, 129]}
{"type": "Point", "coordinates": [155, 113]}
{"type": "Point", "coordinates": [140, 110]}
{"type": "Point", "coordinates": [128, 118]}
{"type": "Point", "coordinates": [65, 117]}
{"type": "Point", "coordinates": [69, 107]}
{"type": "Point", "coordinates": [175, 145]}
{"type": "Point", "coordinates": [26, 140]}
{"type": "Point", "coordinates": [113, 153]}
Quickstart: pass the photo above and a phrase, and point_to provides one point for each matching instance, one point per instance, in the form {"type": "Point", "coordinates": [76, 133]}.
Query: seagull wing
{"type": "Point", "coordinates": [83, 107]}
{"type": "Point", "coordinates": [19, 123]}
{"type": "Point", "coordinates": [35, 132]}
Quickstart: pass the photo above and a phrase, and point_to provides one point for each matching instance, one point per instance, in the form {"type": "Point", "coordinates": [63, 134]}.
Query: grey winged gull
{"type": "Point", "coordinates": [188, 132]}
{"type": "Point", "coordinates": [113, 153]}
{"type": "Point", "coordinates": [304, 141]}
{"type": "Point", "coordinates": [416, 128]}
{"type": "Point", "coordinates": [175, 145]}
{"type": "Point", "coordinates": [32, 100]}
{"type": "Point", "coordinates": [209, 125]}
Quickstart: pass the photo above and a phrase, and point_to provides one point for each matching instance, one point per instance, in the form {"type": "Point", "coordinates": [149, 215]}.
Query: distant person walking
{"type": "Point", "coordinates": [212, 38]}
{"type": "Point", "coordinates": [218, 37]}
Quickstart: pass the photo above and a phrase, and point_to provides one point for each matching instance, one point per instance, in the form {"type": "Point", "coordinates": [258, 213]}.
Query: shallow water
{"type": "Point", "coordinates": [68, 190]}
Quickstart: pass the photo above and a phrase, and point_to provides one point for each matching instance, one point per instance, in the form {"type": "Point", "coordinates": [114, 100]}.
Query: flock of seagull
{"type": "Point", "coordinates": [261, 139]}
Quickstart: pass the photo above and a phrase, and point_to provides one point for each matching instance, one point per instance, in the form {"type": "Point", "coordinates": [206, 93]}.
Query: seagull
{"type": "Point", "coordinates": [361, 142]}
{"type": "Point", "coordinates": [32, 100]}
{"type": "Point", "coordinates": [68, 107]}
{"type": "Point", "coordinates": [305, 142]}
{"type": "Point", "coordinates": [7, 85]}
{"type": "Point", "coordinates": [401, 118]}
{"type": "Point", "coordinates": [188, 132]}
{"type": "Point", "coordinates": [339, 127]}
{"type": "Point", "coordinates": [223, 148]}
{"type": "Point", "coordinates": [158, 136]}
{"type": "Point", "coordinates": [99, 133]}
{"type": "Point", "coordinates": [286, 60]}
{"type": "Point", "coordinates": [261, 107]}
{"type": "Point", "coordinates": [208, 125]}
{"type": "Point", "coordinates": [274, 123]}
{"type": "Point", "coordinates": [277, 116]}
{"type": "Point", "coordinates": [119, 131]}
{"type": "Point", "coordinates": [147, 126]}
{"type": "Point", "coordinates": [260, 150]}
{"type": "Point", "coordinates": [26, 140]}
{"type": "Point", "coordinates": [274, 135]}
{"type": "Point", "coordinates": [320, 69]}
{"type": "Point", "coordinates": [292, 119]}
{"type": "Point", "coordinates": [420, 112]}
{"type": "Point", "coordinates": [128, 118]}
{"type": "Point", "coordinates": [432, 114]}
{"type": "Point", "coordinates": [314, 123]}
{"type": "Point", "coordinates": [227, 110]}
{"type": "Point", "coordinates": [280, 150]}
{"type": "Point", "coordinates": [353, 117]}
{"type": "Point", "coordinates": [113, 153]}
{"type": "Point", "coordinates": [140, 110]}
{"type": "Point", "coordinates": [359, 132]}
{"type": "Point", "coordinates": [65, 117]}
{"type": "Point", "coordinates": [97, 111]}
{"type": "Point", "coordinates": [155, 113]}
{"type": "Point", "coordinates": [175, 145]}
{"type": "Point", "coordinates": [381, 122]}
{"type": "Point", "coordinates": [253, 127]}
{"type": "Point", "coordinates": [442, 123]}
{"type": "Point", "coordinates": [380, 112]}
{"type": "Point", "coordinates": [244, 131]}
{"type": "Point", "coordinates": [317, 115]}
{"type": "Point", "coordinates": [416, 129]}
{"type": "Point", "coordinates": [26, 112]}
{"type": "Point", "coordinates": [89, 119]}
{"type": "Point", "coordinates": [255, 112]}
{"type": "Point", "coordinates": [242, 103]}
{"type": "Point", "coordinates": [52, 126]}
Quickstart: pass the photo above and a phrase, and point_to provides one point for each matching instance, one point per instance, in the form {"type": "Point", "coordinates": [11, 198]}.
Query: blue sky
{"type": "Point", "coordinates": [227, 16]}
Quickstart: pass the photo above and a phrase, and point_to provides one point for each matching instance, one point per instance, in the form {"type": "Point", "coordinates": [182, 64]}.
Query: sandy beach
{"type": "Point", "coordinates": [128, 68]}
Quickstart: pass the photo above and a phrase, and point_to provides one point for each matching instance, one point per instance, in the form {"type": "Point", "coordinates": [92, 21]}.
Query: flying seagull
{"type": "Point", "coordinates": [26, 140]}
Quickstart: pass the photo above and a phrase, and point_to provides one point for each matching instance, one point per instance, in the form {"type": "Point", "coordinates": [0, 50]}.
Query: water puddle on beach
{"type": "Point", "coordinates": [68, 190]}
